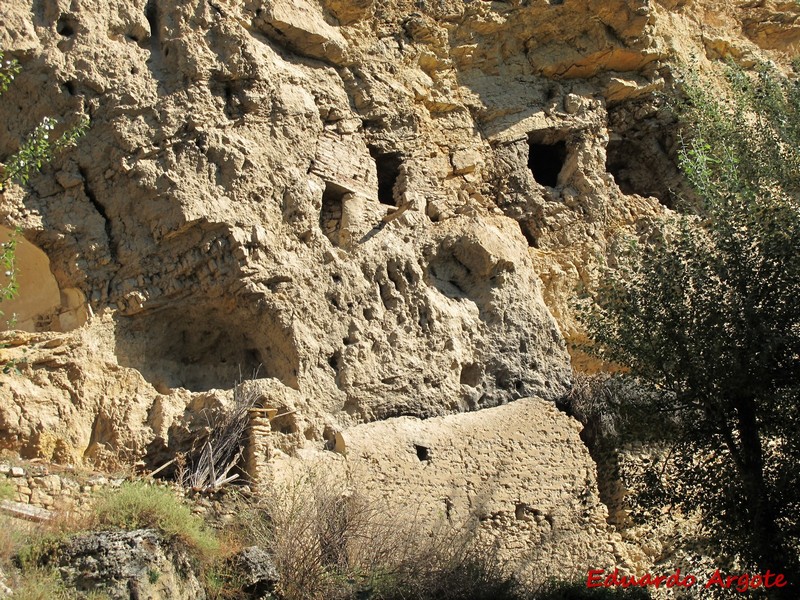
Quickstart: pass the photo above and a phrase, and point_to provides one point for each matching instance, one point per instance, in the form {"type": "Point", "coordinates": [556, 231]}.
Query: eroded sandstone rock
{"type": "Point", "coordinates": [372, 209]}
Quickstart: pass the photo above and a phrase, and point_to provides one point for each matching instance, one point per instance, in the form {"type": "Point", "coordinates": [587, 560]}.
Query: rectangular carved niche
{"type": "Point", "coordinates": [330, 217]}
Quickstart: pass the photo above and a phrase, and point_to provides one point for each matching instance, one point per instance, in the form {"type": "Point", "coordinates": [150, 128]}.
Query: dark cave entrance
{"type": "Point", "coordinates": [545, 160]}
{"type": "Point", "coordinates": [66, 26]}
{"type": "Point", "coordinates": [387, 165]}
{"type": "Point", "coordinates": [330, 217]}
{"type": "Point", "coordinates": [633, 167]}
{"type": "Point", "coordinates": [527, 228]}
{"type": "Point", "coordinates": [202, 345]}
{"type": "Point", "coordinates": [423, 452]}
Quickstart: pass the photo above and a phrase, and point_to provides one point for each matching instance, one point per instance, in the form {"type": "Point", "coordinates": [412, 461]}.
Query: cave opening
{"type": "Point", "coordinates": [545, 160]}
{"type": "Point", "coordinates": [632, 174]}
{"type": "Point", "coordinates": [471, 374]}
{"type": "Point", "coordinates": [387, 165]}
{"type": "Point", "coordinates": [66, 26]}
{"type": "Point", "coordinates": [151, 15]}
{"type": "Point", "coordinates": [526, 227]}
{"type": "Point", "coordinates": [200, 345]}
{"type": "Point", "coordinates": [330, 217]}
{"type": "Point", "coordinates": [39, 302]}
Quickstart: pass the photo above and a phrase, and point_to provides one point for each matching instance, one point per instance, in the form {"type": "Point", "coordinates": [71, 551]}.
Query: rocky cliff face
{"type": "Point", "coordinates": [383, 208]}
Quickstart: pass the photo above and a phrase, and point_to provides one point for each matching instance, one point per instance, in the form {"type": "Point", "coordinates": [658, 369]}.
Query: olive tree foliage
{"type": "Point", "coordinates": [704, 318]}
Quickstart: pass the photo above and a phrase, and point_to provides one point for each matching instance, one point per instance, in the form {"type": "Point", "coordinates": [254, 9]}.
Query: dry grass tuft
{"type": "Point", "coordinates": [330, 541]}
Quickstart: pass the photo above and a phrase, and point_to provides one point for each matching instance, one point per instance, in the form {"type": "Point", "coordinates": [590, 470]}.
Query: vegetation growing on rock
{"type": "Point", "coordinates": [40, 144]}
{"type": "Point", "coordinates": [707, 320]}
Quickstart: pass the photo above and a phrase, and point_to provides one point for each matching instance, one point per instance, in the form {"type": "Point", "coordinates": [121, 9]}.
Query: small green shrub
{"type": "Point", "coordinates": [12, 537]}
{"type": "Point", "coordinates": [138, 505]}
{"type": "Point", "coordinates": [8, 255]}
{"type": "Point", "coordinates": [45, 584]}
{"type": "Point", "coordinates": [215, 584]}
{"type": "Point", "coordinates": [29, 544]}
{"type": "Point", "coordinates": [221, 582]}
{"type": "Point", "coordinates": [41, 585]}
{"type": "Point", "coordinates": [9, 68]}
{"type": "Point", "coordinates": [7, 490]}
{"type": "Point", "coordinates": [31, 553]}
{"type": "Point", "coordinates": [38, 149]}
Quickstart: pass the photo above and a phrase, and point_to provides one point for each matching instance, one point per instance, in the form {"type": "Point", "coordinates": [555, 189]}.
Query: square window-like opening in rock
{"type": "Point", "coordinates": [545, 160]}
{"type": "Point", "coordinates": [471, 374]}
{"type": "Point", "coordinates": [387, 165]}
{"type": "Point", "coordinates": [423, 452]}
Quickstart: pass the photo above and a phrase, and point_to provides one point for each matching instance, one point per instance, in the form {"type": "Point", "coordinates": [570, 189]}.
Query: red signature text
{"type": "Point", "coordinates": [741, 583]}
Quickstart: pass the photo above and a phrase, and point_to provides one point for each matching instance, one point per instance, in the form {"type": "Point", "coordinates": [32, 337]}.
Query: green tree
{"type": "Point", "coordinates": [705, 318]}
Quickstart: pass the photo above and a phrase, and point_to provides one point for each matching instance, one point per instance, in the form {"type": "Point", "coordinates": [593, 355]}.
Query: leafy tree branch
{"type": "Point", "coordinates": [39, 147]}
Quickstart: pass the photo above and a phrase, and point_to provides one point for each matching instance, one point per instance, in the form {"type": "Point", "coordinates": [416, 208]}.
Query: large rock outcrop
{"type": "Point", "coordinates": [379, 206]}
{"type": "Point", "coordinates": [127, 564]}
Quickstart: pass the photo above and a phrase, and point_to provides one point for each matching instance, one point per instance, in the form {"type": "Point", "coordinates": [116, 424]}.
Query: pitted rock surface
{"type": "Point", "coordinates": [372, 210]}
{"type": "Point", "coordinates": [128, 564]}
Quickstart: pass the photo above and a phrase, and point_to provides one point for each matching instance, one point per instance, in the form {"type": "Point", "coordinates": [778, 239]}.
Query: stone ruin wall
{"type": "Point", "coordinates": [373, 210]}
{"type": "Point", "coordinates": [518, 477]}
